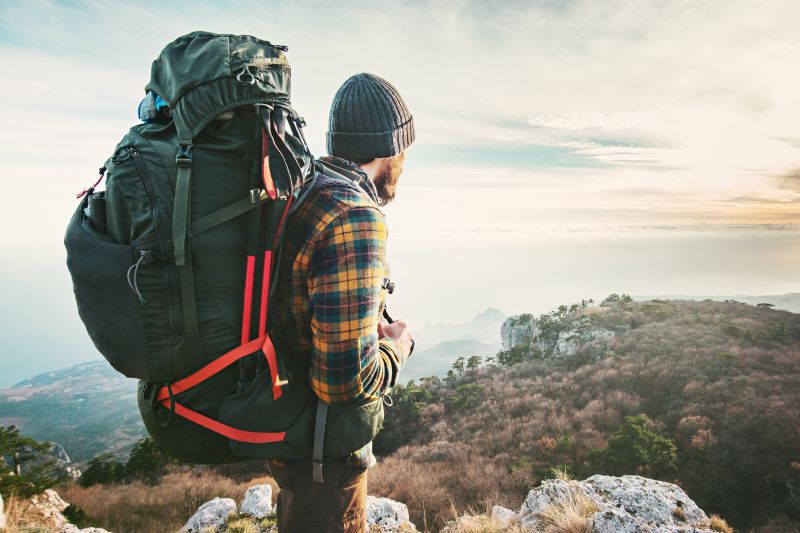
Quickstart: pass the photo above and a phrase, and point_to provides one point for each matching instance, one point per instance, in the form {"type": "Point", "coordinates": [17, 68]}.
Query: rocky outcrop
{"type": "Point", "coordinates": [560, 336]}
{"type": "Point", "coordinates": [42, 512]}
{"type": "Point", "coordinates": [604, 504]}
{"type": "Point", "coordinates": [627, 503]}
{"type": "Point", "coordinates": [517, 330]}
{"type": "Point", "coordinates": [579, 333]}
{"type": "Point", "coordinates": [45, 509]}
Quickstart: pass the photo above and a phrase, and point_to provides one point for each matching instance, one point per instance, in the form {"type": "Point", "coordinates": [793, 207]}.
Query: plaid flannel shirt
{"type": "Point", "coordinates": [330, 299]}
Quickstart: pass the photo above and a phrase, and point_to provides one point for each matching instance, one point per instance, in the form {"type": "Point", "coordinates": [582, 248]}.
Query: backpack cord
{"type": "Point", "coordinates": [145, 257]}
{"type": "Point", "coordinates": [155, 402]}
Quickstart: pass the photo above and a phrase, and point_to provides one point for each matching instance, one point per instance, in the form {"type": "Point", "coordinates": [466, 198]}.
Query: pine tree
{"type": "Point", "coordinates": [147, 462]}
{"type": "Point", "coordinates": [636, 447]}
{"type": "Point", "coordinates": [25, 468]}
{"type": "Point", "coordinates": [102, 469]}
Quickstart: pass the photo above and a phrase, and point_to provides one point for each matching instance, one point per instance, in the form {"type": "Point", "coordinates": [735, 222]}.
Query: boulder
{"type": "Point", "coordinates": [385, 515]}
{"type": "Point", "coordinates": [210, 515]}
{"type": "Point", "coordinates": [614, 504]}
{"type": "Point", "coordinates": [257, 501]}
{"type": "Point", "coordinates": [503, 516]}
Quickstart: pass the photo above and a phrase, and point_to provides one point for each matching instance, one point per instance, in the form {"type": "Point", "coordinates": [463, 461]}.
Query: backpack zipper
{"type": "Point", "coordinates": [141, 171]}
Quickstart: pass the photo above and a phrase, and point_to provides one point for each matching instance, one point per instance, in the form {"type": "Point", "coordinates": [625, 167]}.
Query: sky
{"type": "Point", "coordinates": [565, 149]}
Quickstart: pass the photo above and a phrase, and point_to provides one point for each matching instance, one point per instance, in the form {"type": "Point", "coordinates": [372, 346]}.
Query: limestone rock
{"type": "Point", "coordinates": [580, 332]}
{"type": "Point", "coordinates": [71, 528]}
{"type": "Point", "coordinates": [385, 515]}
{"type": "Point", "coordinates": [617, 504]}
{"type": "Point", "coordinates": [516, 330]}
{"type": "Point", "coordinates": [562, 341]}
{"type": "Point", "coordinates": [258, 501]}
{"type": "Point", "coordinates": [210, 515]}
{"type": "Point", "coordinates": [503, 516]}
{"type": "Point", "coordinates": [44, 512]}
{"type": "Point", "coordinates": [45, 509]}
{"type": "Point", "coordinates": [614, 520]}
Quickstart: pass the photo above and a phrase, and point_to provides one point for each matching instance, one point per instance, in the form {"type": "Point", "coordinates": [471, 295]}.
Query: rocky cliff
{"type": "Point", "coordinates": [559, 333]}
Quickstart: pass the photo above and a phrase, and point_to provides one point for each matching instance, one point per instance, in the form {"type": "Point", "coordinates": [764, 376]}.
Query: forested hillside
{"type": "Point", "coordinates": [88, 409]}
{"type": "Point", "coordinates": [704, 394]}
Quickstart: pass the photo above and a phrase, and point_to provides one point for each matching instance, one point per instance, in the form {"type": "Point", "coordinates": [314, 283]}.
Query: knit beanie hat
{"type": "Point", "coordinates": [368, 119]}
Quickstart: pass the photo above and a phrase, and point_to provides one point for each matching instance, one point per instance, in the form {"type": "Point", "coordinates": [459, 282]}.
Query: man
{"type": "Point", "coordinates": [329, 305]}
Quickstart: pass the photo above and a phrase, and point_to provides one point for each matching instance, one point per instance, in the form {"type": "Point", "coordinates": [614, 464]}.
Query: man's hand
{"type": "Point", "coordinates": [398, 331]}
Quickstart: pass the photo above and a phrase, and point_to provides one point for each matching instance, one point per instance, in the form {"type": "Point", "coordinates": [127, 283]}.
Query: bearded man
{"type": "Point", "coordinates": [331, 301]}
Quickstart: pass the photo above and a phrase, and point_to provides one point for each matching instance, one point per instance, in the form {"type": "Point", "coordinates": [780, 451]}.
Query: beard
{"type": "Point", "coordinates": [386, 181]}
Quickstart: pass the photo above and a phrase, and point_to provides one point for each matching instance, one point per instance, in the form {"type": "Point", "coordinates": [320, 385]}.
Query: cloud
{"type": "Point", "coordinates": [577, 103]}
{"type": "Point", "coordinates": [791, 181]}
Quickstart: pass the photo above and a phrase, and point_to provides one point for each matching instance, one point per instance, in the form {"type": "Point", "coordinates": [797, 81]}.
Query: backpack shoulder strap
{"type": "Point", "coordinates": [181, 215]}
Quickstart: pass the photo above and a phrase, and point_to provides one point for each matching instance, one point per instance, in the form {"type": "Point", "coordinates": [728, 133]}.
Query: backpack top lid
{"type": "Point", "coordinates": [203, 74]}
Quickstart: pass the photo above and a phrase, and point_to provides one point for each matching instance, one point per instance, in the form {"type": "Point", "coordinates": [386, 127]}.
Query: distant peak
{"type": "Point", "coordinates": [491, 313]}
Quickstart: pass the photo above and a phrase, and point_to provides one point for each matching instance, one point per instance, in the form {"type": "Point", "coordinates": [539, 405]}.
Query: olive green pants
{"type": "Point", "coordinates": [337, 506]}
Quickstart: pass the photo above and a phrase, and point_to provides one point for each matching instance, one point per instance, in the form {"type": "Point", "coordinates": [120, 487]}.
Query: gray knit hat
{"type": "Point", "coordinates": [368, 119]}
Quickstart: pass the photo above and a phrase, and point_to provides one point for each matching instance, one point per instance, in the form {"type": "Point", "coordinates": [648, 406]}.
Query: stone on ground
{"type": "Point", "coordinates": [211, 515]}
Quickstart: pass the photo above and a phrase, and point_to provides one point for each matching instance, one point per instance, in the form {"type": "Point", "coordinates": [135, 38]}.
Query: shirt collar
{"type": "Point", "coordinates": [362, 179]}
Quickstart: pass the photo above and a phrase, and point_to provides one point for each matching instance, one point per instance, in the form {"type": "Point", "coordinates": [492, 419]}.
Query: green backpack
{"type": "Point", "coordinates": [172, 263]}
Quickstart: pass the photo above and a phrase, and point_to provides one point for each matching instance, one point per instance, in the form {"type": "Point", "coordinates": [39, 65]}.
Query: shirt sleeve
{"type": "Point", "coordinates": [349, 364]}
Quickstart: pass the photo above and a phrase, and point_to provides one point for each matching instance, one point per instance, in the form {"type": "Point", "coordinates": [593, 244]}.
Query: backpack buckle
{"type": "Point", "coordinates": [388, 285]}
{"type": "Point", "coordinates": [184, 156]}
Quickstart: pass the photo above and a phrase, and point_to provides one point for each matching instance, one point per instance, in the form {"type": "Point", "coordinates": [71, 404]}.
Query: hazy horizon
{"type": "Point", "coordinates": [586, 148]}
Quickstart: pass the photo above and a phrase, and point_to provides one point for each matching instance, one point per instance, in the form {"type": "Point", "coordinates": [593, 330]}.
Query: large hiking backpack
{"type": "Point", "coordinates": [172, 263]}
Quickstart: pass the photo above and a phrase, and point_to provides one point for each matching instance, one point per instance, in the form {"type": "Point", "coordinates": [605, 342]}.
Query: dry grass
{"type": "Point", "coordinates": [16, 519]}
{"type": "Point", "coordinates": [246, 524]}
{"type": "Point", "coordinates": [560, 472]}
{"type": "Point", "coordinates": [480, 523]}
{"type": "Point", "coordinates": [717, 523]}
{"type": "Point", "coordinates": [679, 513]}
{"type": "Point", "coordinates": [20, 518]}
{"type": "Point", "coordinates": [439, 489]}
{"type": "Point", "coordinates": [572, 515]}
{"type": "Point", "coordinates": [139, 508]}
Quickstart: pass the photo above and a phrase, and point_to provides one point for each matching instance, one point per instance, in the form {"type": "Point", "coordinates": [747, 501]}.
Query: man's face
{"type": "Point", "coordinates": [386, 180]}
